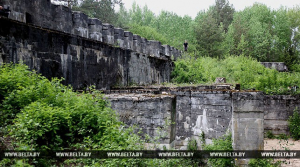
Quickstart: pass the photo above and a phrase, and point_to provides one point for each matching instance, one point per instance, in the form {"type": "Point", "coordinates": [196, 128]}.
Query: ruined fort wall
{"type": "Point", "coordinates": [209, 110]}
{"type": "Point", "coordinates": [57, 42]}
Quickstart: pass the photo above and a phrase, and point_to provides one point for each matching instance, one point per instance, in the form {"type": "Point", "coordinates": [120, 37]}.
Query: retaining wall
{"type": "Point", "coordinates": [211, 110]}
{"type": "Point", "coordinates": [57, 42]}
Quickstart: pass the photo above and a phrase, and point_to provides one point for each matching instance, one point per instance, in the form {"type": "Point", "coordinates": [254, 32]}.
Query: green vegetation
{"type": "Point", "coordinates": [270, 135]}
{"type": "Point", "coordinates": [236, 69]}
{"type": "Point", "coordinates": [222, 143]}
{"type": "Point", "coordinates": [294, 124]}
{"type": "Point", "coordinates": [264, 163]}
{"type": "Point", "coordinates": [43, 114]}
{"type": "Point", "coordinates": [257, 31]}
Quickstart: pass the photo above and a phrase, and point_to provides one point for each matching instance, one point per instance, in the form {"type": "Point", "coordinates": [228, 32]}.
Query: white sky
{"type": "Point", "coordinates": [192, 7]}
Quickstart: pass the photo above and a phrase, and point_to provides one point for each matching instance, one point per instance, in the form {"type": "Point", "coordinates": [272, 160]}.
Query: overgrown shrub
{"type": "Point", "coordinates": [294, 124]}
{"type": "Point", "coordinates": [246, 71]}
{"type": "Point", "coordinates": [222, 143]}
{"type": "Point", "coordinates": [43, 114]}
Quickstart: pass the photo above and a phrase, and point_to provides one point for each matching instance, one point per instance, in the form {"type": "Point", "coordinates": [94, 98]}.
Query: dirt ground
{"type": "Point", "coordinates": [290, 144]}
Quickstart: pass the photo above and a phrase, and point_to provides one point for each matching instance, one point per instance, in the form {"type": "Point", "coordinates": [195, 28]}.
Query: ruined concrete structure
{"type": "Point", "coordinates": [57, 42]}
{"type": "Point", "coordinates": [207, 109]}
{"type": "Point", "coordinates": [183, 114]}
{"type": "Point", "coordinates": [179, 115]}
{"type": "Point", "coordinates": [279, 66]}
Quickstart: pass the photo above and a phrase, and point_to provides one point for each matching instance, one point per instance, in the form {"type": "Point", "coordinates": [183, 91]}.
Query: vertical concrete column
{"type": "Point", "coordinates": [108, 33]}
{"type": "Point", "coordinates": [176, 53]}
{"type": "Point", "coordinates": [173, 52]}
{"type": "Point", "coordinates": [166, 50]}
{"type": "Point", "coordinates": [144, 45]}
{"type": "Point", "coordinates": [95, 29]}
{"type": "Point", "coordinates": [137, 43]}
{"type": "Point", "coordinates": [128, 40]}
{"type": "Point", "coordinates": [62, 18]}
{"type": "Point", "coordinates": [183, 118]}
{"type": "Point", "coordinates": [119, 37]}
{"type": "Point", "coordinates": [247, 122]}
{"type": "Point", "coordinates": [154, 48]}
{"type": "Point", "coordinates": [80, 24]}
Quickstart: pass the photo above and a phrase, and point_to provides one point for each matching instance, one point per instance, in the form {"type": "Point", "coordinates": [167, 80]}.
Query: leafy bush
{"type": "Point", "coordinates": [294, 124]}
{"type": "Point", "coordinates": [236, 69]}
{"type": "Point", "coordinates": [43, 114]}
{"type": "Point", "coordinates": [222, 143]}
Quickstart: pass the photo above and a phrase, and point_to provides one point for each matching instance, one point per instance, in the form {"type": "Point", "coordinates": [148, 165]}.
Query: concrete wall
{"type": "Point", "coordinates": [151, 113]}
{"type": "Point", "coordinates": [200, 111]}
{"type": "Point", "coordinates": [197, 110]}
{"type": "Point", "coordinates": [58, 42]}
{"type": "Point", "coordinates": [277, 110]}
{"type": "Point", "coordinates": [81, 61]}
{"type": "Point", "coordinates": [247, 122]}
{"type": "Point", "coordinates": [58, 17]}
{"type": "Point", "coordinates": [212, 110]}
{"type": "Point", "coordinates": [279, 66]}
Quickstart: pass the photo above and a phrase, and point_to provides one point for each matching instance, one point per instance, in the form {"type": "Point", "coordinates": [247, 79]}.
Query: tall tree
{"type": "Point", "coordinates": [223, 13]}
{"type": "Point", "coordinates": [101, 9]}
{"type": "Point", "coordinates": [294, 18]}
{"type": "Point", "coordinates": [209, 34]}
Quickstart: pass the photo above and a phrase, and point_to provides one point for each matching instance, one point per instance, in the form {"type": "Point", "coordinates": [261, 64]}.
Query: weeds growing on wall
{"type": "Point", "coordinates": [294, 124]}
{"type": "Point", "coordinates": [246, 71]}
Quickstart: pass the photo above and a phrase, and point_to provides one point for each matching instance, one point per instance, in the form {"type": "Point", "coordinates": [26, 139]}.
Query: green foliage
{"type": "Point", "coordinates": [270, 135]}
{"type": "Point", "coordinates": [294, 124]}
{"type": "Point", "coordinates": [282, 137]}
{"type": "Point", "coordinates": [223, 13]}
{"type": "Point", "coordinates": [192, 145]}
{"type": "Point", "coordinates": [167, 27]}
{"type": "Point", "coordinates": [101, 9]}
{"type": "Point", "coordinates": [264, 163]}
{"type": "Point", "coordinates": [15, 78]}
{"type": "Point", "coordinates": [43, 114]}
{"type": "Point", "coordinates": [148, 33]}
{"type": "Point", "coordinates": [236, 69]}
{"type": "Point", "coordinates": [222, 143]}
{"type": "Point", "coordinates": [208, 35]}
{"type": "Point", "coordinates": [264, 34]}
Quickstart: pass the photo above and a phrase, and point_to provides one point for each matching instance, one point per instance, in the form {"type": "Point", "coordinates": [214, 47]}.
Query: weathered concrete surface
{"type": "Point", "coordinates": [247, 122]}
{"type": "Point", "coordinates": [279, 66]}
{"type": "Point", "coordinates": [81, 61]}
{"type": "Point", "coordinates": [153, 114]}
{"type": "Point", "coordinates": [204, 111]}
{"type": "Point", "coordinates": [216, 109]}
{"type": "Point", "coordinates": [44, 14]}
{"type": "Point", "coordinates": [277, 110]}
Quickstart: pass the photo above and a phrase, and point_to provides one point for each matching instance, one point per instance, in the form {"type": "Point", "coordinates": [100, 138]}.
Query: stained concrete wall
{"type": "Point", "coordinates": [44, 14]}
{"type": "Point", "coordinates": [212, 110]}
{"type": "Point", "coordinates": [200, 111]}
{"type": "Point", "coordinates": [81, 61]}
{"type": "Point", "coordinates": [247, 122]}
{"type": "Point", "coordinates": [153, 114]}
{"type": "Point", "coordinates": [197, 110]}
{"type": "Point", "coordinates": [279, 66]}
{"type": "Point", "coordinates": [58, 42]}
{"type": "Point", "coordinates": [277, 110]}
